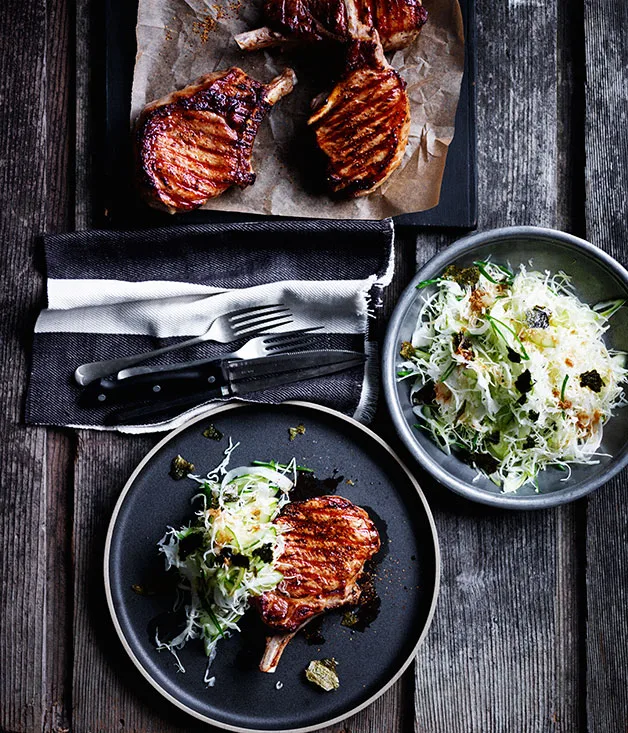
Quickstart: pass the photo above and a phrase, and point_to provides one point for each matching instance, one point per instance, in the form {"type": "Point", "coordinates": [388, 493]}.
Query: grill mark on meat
{"type": "Point", "coordinates": [326, 541]}
{"type": "Point", "coordinates": [207, 170]}
{"type": "Point", "coordinates": [364, 124]}
{"type": "Point", "coordinates": [358, 109]}
{"type": "Point", "coordinates": [195, 143]}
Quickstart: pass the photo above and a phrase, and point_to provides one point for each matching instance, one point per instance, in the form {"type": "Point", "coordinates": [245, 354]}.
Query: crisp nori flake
{"type": "Point", "coordinates": [265, 553]}
{"type": "Point", "coordinates": [533, 415]}
{"type": "Point", "coordinates": [592, 380]}
{"type": "Point", "coordinates": [513, 356]}
{"type": "Point", "coordinates": [484, 461]}
{"type": "Point", "coordinates": [212, 432]}
{"type": "Point", "coordinates": [227, 555]}
{"type": "Point", "coordinates": [322, 672]}
{"type": "Point", "coordinates": [190, 544]}
{"type": "Point", "coordinates": [240, 561]}
{"type": "Point", "coordinates": [407, 350]}
{"type": "Point", "coordinates": [179, 468]}
{"type": "Point", "coordinates": [425, 396]}
{"type": "Point", "coordinates": [462, 275]}
{"type": "Point", "coordinates": [538, 317]}
{"type": "Point", "coordinates": [493, 437]}
{"type": "Point", "coordinates": [349, 619]}
{"type": "Point", "coordinates": [524, 382]}
{"type": "Point", "coordinates": [529, 442]}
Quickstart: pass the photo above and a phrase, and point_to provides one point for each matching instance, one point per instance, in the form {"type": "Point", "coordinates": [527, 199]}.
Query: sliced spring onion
{"type": "Point", "coordinates": [274, 465]}
{"type": "Point", "coordinates": [608, 307]}
{"type": "Point", "coordinates": [562, 389]}
{"type": "Point", "coordinates": [449, 370]}
{"type": "Point", "coordinates": [494, 324]}
{"type": "Point", "coordinates": [484, 266]}
{"type": "Point", "coordinates": [427, 283]}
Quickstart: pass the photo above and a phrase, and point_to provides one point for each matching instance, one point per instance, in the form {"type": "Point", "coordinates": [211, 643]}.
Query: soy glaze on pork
{"type": "Point", "coordinates": [195, 143]}
{"type": "Point", "coordinates": [326, 542]}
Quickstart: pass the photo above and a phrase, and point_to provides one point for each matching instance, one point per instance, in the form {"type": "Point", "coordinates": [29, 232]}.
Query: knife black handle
{"type": "Point", "coordinates": [156, 387]}
{"type": "Point", "coordinates": [151, 412]}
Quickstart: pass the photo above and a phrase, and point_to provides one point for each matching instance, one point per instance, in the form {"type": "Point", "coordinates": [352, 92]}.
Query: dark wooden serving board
{"type": "Point", "coordinates": [116, 203]}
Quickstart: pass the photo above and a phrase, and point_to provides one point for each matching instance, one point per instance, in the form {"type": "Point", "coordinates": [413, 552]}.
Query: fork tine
{"type": "Point", "coordinates": [260, 310]}
{"type": "Point", "coordinates": [274, 338]}
{"type": "Point", "coordinates": [251, 328]}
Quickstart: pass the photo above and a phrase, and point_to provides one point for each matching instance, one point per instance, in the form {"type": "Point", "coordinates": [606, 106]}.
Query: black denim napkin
{"type": "Point", "coordinates": [114, 293]}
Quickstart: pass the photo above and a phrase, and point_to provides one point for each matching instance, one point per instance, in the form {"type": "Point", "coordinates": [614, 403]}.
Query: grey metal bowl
{"type": "Point", "coordinates": [596, 277]}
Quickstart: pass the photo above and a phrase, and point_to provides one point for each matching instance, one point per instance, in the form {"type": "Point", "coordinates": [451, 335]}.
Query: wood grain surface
{"type": "Point", "coordinates": [607, 226]}
{"type": "Point", "coordinates": [531, 630]}
{"type": "Point", "coordinates": [34, 85]}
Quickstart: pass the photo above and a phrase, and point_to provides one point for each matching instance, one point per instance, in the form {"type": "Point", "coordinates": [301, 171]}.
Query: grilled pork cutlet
{"type": "Point", "coordinates": [363, 125]}
{"type": "Point", "coordinates": [398, 22]}
{"type": "Point", "coordinates": [197, 142]}
{"type": "Point", "coordinates": [327, 540]}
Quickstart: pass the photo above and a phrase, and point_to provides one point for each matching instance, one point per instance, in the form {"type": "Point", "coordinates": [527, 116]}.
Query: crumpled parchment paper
{"type": "Point", "coordinates": [180, 40]}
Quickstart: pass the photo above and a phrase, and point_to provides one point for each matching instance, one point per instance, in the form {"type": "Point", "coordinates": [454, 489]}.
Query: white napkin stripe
{"type": "Point", "coordinates": [338, 306]}
{"type": "Point", "coordinates": [66, 294]}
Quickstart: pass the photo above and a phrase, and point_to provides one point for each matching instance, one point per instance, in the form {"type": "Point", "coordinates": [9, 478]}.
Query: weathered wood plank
{"type": "Point", "coordinates": [607, 226]}
{"type": "Point", "coordinates": [22, 450]}
{"type": "Point", "coordinates": [108, 693]}
{"type": "Point", "coordinates": [58, 204]}
{"type": "Point", "coordinates": [57, 703]}
{"type": "Point", "coordinates": [502, 654]}
{"type": "Point", "coordinates": [85, 59]}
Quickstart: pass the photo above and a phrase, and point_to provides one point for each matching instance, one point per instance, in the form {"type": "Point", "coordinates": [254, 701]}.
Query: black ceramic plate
{"type": "Point", "coordinates": [243, 698]}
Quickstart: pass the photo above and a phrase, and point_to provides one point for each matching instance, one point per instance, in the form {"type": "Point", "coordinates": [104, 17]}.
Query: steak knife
{"type": "Point", "coordinates": [222, 381]}
{"type": "Point", "coordinates": [217, 375]}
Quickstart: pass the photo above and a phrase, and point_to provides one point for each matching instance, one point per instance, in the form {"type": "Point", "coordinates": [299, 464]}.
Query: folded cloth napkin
{"type": "Point", "coordinates": [112, 294]}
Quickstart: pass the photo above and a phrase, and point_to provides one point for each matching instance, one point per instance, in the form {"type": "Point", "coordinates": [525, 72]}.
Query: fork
{"type": "Point", "coordinates": [265, 345]}
{"type": "Point", "coordinates": [224, 329]}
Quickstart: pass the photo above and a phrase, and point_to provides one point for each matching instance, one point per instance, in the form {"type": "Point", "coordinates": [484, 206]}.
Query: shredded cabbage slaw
{"type": "Point", "coordinates": [511, 372]}
{"type": "Point", "coordinates": [226, 556]}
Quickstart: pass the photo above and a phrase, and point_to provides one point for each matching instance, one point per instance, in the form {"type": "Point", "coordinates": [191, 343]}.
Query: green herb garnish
{"type": "Point", "coordinates": [608, 307]}
{"type": "Point", "coordinates": [299, 430]}
{"type": "Point", "coordinates": [212, 432]}
{"type": "Point", "coordinates": [508, 280]}
{"type": "Point", "coordinates": [449, 370]}
{"type": "Point", "coordinates": [494, 325]}
{"type": "Point", "coordinates": [407, 350]}
{"type": "Point", "coordinates": [274, 465]}
{"type": "Point", "coordinates": [323, 673]}
{"type": "Point", "coordinates": [180, 468]}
